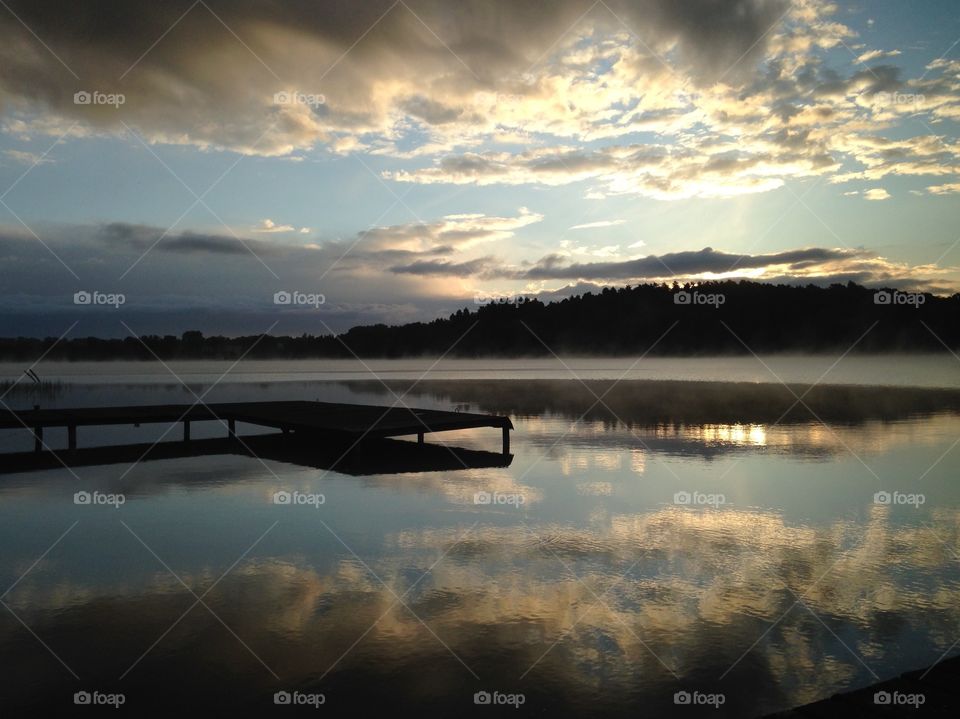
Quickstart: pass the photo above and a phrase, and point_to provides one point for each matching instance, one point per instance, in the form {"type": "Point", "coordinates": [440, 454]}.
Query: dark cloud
{"type": "Point", "coordinates": [190, 243]}
{"type": "Point", "coordinates": [683, 264]}
{"type": "Point", "coordinates": [716, 36]}
{"type": "Point", "coordinates": [461, 269]}
{"type": "Point", "coordinates": [231, 289]}
{"type": "Point", "coordinates": [880, 78]}
{"type": "Point", "coordinates": [205, 73]}
{"type": "Point", "coordinates": [143, 237]}
{"type": "Point", "coordinates": [430, 111]}
{"type": "Point", "coordinates": [872, 80]}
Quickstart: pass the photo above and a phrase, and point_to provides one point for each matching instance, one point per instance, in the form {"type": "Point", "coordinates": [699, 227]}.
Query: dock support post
{"type": "Point", "coordinates": [72, 437]}
{"type": "Point", "coordinates": [37, 439]}
{"type": "Point", "coordinates": [506, 440]}
{"type": "Point", "coordinates": [186, 430]}
{"type": "Point", "coordinates": [232, 428]}
{"type": "Point", "coordinates": [419, 437]}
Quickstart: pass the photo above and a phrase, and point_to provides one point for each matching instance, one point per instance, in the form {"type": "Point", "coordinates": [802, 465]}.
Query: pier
{"type": "Point", "coordinates": [305, 419]}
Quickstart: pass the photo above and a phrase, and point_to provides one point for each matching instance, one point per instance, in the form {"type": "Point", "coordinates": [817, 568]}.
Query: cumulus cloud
{"type": "Point", "coordinates": [951, 188]}
{"type": "Point", "coordinates": [737, 95]}
{"type": "Point", "coordinates": [268, 226]}
{"type": "Point", "coordinates": [876, 194]}
{"type": "Point", "coordinates": [207, 74]}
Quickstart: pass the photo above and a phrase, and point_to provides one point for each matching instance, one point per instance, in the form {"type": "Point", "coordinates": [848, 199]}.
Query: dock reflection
{"type": "Point", "coordinates": [369, 456]}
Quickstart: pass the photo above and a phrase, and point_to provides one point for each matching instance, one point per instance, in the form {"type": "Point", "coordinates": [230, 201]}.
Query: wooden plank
{"type": "Point", "coordinates": [371, 420]}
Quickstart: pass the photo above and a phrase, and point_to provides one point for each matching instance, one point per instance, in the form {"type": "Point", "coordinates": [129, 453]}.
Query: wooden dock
{"type": "Point", "coordinates": [303, 418]}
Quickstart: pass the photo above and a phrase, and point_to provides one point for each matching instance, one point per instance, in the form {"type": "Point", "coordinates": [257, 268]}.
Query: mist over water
{"type": "Point", "coordinates": [677, 536]}
{"type": "Point", "coordinates": [910, 370]}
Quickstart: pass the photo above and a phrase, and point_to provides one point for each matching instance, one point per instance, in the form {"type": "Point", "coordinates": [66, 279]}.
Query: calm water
{"type": "Point", "coordinates": [680, 539]}
{"type": "Point", "coordinates": [914, 370]}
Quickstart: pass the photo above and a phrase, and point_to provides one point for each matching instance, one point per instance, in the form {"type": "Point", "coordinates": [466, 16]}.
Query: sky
{"type": "Point", "coordinates": [197, 164]}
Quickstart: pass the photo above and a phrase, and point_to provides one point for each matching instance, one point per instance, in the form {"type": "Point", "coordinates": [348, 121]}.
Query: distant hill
{"type": "Point", "coordinates": [703, 319]}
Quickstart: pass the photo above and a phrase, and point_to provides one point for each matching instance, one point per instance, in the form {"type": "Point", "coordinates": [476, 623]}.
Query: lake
{"type": "Point", "coordinates": [716, 541]}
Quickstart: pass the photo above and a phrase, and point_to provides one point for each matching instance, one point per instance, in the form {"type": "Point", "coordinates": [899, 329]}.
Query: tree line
{"type": "Point", "coordinates": [722, 317]}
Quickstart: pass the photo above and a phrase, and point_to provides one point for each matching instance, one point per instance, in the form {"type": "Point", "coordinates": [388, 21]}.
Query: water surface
{"type": "Point", "coordinates": [712, 538]}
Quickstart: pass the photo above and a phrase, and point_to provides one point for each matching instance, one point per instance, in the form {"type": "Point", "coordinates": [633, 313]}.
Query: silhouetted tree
{"type": "Point", "coordinates": [752, 316]}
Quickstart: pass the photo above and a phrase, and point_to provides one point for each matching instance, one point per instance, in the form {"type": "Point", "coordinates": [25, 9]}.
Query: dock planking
{"type": "Point", "coordinates": [302, 417]}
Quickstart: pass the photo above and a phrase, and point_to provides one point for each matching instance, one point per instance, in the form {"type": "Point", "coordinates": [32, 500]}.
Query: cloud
{"type": "Point", "coordinates": [206, 74]}
{"type": "Point", "coordinates": [269, 225]}
{"type": "Point", "coordinates": [685, 264]}
{"type": "Point", "coordinates": [430, 111]}
{"type": "Point", "coordinates": [818, 265]}
{"type": "Point", "coordinates": [198, 278]}
{"type": "Point", "coordinates": [736, 97]}
{"type": "Point", "coordinates": [452, 232]}
{"type": "Point", "coordinates": [876, 55]}
{"type": "Point", "coordinates": [27, 158]}
{"type": "Point", "coordinates": [600, 223]}
{"type": "Point", "coordinates": [568, 249]}
{"type": "Point", "coordinates": [479, 266]}
{"type": "Point", "coordinates": [143, 238]}
{"type": "Point", "coordinates": [947, 189]}
{"type": "Point", "coordinates": [384, 265]}
{"type": "Point", "coordinates": [659, 171]}
{"type": "Point", "coordinates": [876, 194]}
{"type": "Point", "coordinates": [219, 283]}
